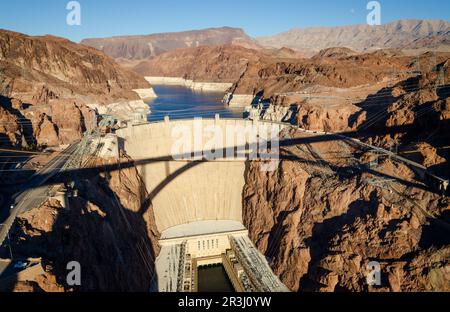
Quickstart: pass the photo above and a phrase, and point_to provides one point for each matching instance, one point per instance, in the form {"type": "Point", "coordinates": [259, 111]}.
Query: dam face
{"type": "Point", "coordinates": [183, 191]}
{"type": "Point", "coordinates": [197, 199]}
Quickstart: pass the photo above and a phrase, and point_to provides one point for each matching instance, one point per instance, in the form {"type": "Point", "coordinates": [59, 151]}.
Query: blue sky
{"type": "Point", "coordinates": [103, 18]}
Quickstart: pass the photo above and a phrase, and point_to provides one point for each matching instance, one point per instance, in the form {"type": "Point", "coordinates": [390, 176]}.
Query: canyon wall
{"type": "Point", "coordinates": [321, 223]}
{"type": "Point", "coordinates": [47, 82]}
{"type": "Point", "coordinates": [36, 69]}
{"type": "Point", "coordinates": [108, 228]}
{"type": "Point", "coordinates": [58, 122]}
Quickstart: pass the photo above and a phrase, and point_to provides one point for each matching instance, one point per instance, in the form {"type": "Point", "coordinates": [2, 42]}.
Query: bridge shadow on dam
{"type": "Point", "coordinates": [347, 137]}
{"type": "Point", "coordinates": [110, 242]}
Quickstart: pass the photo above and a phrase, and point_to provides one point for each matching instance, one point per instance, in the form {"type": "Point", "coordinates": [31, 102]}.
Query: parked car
{"type": "Point", "coordinates": [20, 265]}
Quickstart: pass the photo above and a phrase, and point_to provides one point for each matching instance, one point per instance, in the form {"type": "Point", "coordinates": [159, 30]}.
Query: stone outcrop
{"type": "Point", "coordinates": [108, 229]}
{"type": "Point", "coordinates": [47, 82]}
{"type": "Point", "coordinates": [224, 63]}
{"type": "Point", "coordinates": [38, 69]}
{"type": "Point", "coordinates": [11, 131]}
{"type": "Point", "coordinates": [328, 118]}
{"type": "Point", "coordinates": [45, 131]}
{"type": "Point", "coordinates": [321, 226]}
{"type": "Point", "coordinates": [146, 93]}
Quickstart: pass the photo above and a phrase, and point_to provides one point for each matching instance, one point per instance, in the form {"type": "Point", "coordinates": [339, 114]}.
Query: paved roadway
{"type": "Point", "coordinates": [33, 193]}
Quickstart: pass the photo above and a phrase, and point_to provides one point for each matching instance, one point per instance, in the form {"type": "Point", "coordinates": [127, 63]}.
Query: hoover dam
{"type": "Point", "coordinates": [194, 171]}
{"type": "Point", "coordinates": [198, 204]}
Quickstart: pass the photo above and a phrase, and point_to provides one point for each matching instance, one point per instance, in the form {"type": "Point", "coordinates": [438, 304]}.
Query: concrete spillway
{"type": "Point", "coordinates": [183, 191]}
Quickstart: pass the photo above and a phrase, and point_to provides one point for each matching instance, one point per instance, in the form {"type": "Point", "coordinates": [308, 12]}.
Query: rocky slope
{"type": "Point", "coordinates": [398, 34]}
{"type": "Point", "coordinates": [283, 70]}
{"type": "Point", "coordinates": [11, 131]}
{"type": "Point", "coordinates": [335, 68]}
{"type": "Point", "coordinates": [381, 99]}
{"type": "Point", "coordinates": [143, 47]}
{"type": "Point", "coordinates": [224, 63]}
{"type": "Point", "coordinates": [320, 219]}
{"type": "Point", "coordinates": [37, 69]}
{"type": "Point", "coordinates": [321, 222]}
{"type": "Point", "coordinates": [412, 116]}
{"type": "Point", "coordinates": [46, 83]}
{"type": "Point", "coordinates": [103, 229]}
{"type": "Point", "coordinates": [441, 41]}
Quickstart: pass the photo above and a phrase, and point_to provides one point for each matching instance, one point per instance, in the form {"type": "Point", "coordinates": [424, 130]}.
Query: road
{"type": "Point", "coordinates": [33, 194]}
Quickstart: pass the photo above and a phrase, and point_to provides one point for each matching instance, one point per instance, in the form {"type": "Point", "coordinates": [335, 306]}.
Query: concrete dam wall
{"type": "Point", "coordinates": [184, 191]}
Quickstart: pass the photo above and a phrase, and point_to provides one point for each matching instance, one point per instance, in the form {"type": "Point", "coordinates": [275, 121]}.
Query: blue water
{"type": "Point", "coordinates": [183, 103]}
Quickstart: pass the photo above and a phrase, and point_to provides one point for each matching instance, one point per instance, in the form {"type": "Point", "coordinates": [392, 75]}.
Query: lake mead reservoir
{"type": "Point", "coordinates": [179, 102]}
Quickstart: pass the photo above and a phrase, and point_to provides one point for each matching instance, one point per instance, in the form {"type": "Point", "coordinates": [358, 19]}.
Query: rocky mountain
{"type": "Point", "coordinates": [333, 68]}
{"type": "Point", "coordinates": [209, 63]}
{"type": "Point", "coordinates": [380, 97]}
{"type": "Point", "coordinates": [224, 63]}
{"type": "Point", "coordinates": [398, 34]}
{"type": "Point", "coordinates": [321, 225]}
{"type": "Point", "coordinates": [439, 42]}
{"type": "Point", "coordinates": [37, 69]}
{"type": "Point", "coordinates": [46, 83]}
{"type": "Point", "coordinates": [143, 47]}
